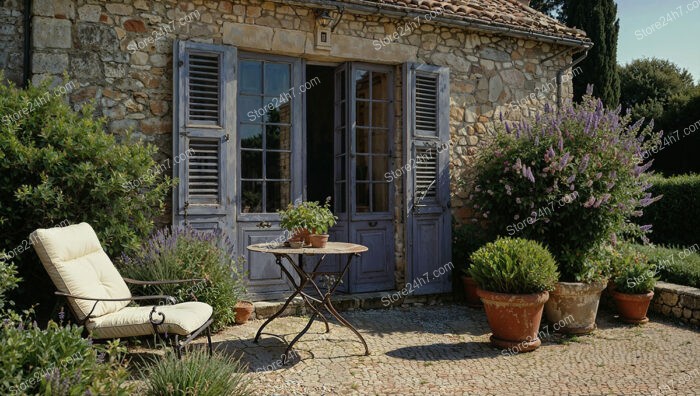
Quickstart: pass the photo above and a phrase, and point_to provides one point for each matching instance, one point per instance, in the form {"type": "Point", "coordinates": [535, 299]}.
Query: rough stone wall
{"type": "Point", "coordinates": [97, 44]}
{"type": "Point", "coordinates": [675, 301]}
{"type": "Point", "coordinates": [12, 39]}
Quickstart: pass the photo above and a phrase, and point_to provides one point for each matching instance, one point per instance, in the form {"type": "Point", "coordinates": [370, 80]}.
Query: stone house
{"type": "Point", "coordinates": [379, 104]}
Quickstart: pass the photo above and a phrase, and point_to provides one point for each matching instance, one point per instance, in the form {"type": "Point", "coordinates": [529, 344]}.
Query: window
{"type": "Point", "coordinates": [264, 127]}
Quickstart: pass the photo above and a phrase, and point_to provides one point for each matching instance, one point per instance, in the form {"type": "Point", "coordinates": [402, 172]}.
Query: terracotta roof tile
{"type": "Point", "coordinates": [504, 13]}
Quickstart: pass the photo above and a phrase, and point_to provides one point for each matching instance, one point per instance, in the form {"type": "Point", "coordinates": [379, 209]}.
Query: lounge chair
{"type": "Point", "coordinates": [99, 297]}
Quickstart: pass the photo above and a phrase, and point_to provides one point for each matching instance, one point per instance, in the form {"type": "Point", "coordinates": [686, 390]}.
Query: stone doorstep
{"type": "Point", "coordinates": [350, 302]}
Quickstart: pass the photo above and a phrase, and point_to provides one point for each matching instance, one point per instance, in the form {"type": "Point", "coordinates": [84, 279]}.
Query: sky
{"type": "Point", "coordinates": [676, 37]}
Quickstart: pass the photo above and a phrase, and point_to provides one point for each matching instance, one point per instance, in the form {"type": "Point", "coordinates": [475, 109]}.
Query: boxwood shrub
{"type": "Point", "coordinates": [675, 216]}
{"type": "Point", "coordinates": [514, 266]}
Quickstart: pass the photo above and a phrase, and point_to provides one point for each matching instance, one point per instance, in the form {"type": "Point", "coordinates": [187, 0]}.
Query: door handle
{"type": "Point", "coordinates": [372, 223]}
{"type": "Point", "coordinates": [264, 224]}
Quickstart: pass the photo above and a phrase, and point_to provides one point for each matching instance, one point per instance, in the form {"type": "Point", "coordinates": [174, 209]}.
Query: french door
{"type": "Point", "coordinates": [364, 200]}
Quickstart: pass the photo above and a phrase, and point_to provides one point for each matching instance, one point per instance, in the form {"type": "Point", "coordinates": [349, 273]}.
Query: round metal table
{"type": "Point", "coordinates": [323, 301]}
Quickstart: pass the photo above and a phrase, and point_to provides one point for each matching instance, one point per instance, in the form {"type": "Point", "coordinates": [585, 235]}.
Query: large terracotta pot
{"type": "Point", "coordinates": [243, 311]}
{"type": "Point", "coordinates": [633, 307]}
{"type": "Point", "coordinates": [470, 287]}
{"type": "Point", "coordinates": [573, 306]}
{"type": "Point", "coordinates": [514, 318]}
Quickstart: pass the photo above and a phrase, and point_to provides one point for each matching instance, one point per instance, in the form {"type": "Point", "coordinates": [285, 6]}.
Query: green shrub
{"type": "Point", "coordinates": [8, 282]}
{"type": "Point", "coordinates": [185, 253]}
{"type": "Point", "coordinates": [466, 238]}
{"type": "Point", "coordinates": [58, 166]}
{"type": "Point", "coordinates": [675, 216]}
{"type": "Point", "coordinates": [196, 374]}
{"type": "Point", "coordinates": [636, 278]}
{"type": "Point", "coordinates": [310, 215]}
{"type": "Point", "coordinates": [514, 266]}
{"type": "Point", "coordinates": [679, 266]}
{"type": "Point", "coordinates": [570, 179]}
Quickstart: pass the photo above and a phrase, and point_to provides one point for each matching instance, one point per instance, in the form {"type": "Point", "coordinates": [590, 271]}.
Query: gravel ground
{"type": "Point", "coordinates": [444, 350]}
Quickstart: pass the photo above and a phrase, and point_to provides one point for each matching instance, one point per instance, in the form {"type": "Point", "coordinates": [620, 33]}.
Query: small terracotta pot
{"type": "Point", "coordinates": [471, 297]}
{"type": "Point", "coordinates": [301, 234]}
{"type": "Point", "coordinates": [514, 318]}
{"type": "Point", "coordinates": [633, 307]}
{"type": "Point", "coordinates": [318, 241]}
{"type": "Point", "coordinates": [243, 311]}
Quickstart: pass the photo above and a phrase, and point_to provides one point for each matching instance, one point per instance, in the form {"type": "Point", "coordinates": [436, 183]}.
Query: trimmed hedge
{"type": "Point", "coordinates": [679, 266]}
{"type": "Point", "coordinates": [674, 216]}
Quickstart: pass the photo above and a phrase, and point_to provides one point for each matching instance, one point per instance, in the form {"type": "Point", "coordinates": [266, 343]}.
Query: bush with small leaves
{"type": "Point", "coordinates": [514, 266]}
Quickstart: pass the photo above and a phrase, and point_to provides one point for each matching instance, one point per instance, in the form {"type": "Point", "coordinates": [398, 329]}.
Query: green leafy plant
{"type": "Point", "coordinates": [8, 281]}
{"type": "Point", "coordinates": [637, 277]}
{"type": "Point", "coordinates": [58, 165]}
{"type": "Point", "coordinates": [310, 215]}
{"type": "Point", "coordinates": [531, 170]}
{"type": "Point", "coordinates": [196, 374]}
{"type": "Point", "coordinates": [514, 266]}
{"type": "Point", "coordinates": [185, 253]}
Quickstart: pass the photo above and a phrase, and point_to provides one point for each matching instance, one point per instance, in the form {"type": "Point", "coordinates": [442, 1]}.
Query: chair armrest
{"type": "Point", "coordinates": [164, 282]}
{"type": "Point", "coordinates": [169, 299]}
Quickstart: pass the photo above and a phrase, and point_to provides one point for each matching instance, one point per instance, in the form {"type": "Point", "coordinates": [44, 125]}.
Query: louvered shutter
{"type": "Point", "coordinates": [204, 131]}
{"type": "Point", "coordinates": [427, 192]}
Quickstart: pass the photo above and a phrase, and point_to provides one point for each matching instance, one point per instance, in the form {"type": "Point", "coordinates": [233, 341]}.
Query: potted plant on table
{"type": "Point", "coordinates": [322, 219]}
{"type": "Point", "coordinates": [572, 178]}
{"type": "Point", "coordinates": [514, 278]}
{"type": "Point", "coordinates": [634, 289]}
{"type": "Point", "coordinates": [295, 219]}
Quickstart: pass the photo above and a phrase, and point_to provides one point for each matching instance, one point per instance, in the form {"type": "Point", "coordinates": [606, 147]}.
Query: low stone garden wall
{"type": "Point", "coordinates": [676, 301]}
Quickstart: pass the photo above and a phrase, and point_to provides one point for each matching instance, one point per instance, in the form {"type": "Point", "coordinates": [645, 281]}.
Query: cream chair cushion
{"type": "Point", "coordinates": [78, 265]}
{"type": "Point", "coordinates": [182, 319]}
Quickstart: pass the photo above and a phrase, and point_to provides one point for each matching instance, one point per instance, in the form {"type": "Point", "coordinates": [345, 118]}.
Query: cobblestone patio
{"type": "Point", "coordinates": [444, 350]}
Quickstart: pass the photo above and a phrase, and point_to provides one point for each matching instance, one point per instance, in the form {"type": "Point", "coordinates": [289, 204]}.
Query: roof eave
{"type": "Point", "coordinates": [362, 6]}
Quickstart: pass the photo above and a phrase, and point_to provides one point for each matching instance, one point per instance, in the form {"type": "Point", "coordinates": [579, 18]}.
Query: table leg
{"type": "Point", "coordinates": [286, 303]}
{"type": "Point", "coordinates": [298, 336]}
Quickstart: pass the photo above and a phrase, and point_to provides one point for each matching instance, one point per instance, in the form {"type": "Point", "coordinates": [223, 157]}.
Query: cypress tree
{"type": "Point", "coordinates": [599, 19]}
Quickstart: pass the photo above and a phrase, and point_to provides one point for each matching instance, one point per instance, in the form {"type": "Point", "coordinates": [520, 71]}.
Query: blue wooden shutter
{"type": "Point", "coordinates": [427, 193]}
{"type": "Point", "coordinates": [204, 96]}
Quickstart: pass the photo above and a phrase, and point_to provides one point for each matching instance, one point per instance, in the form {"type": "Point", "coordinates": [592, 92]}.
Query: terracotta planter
{"type": "Point", "coordinates": [318, 241]}
{"type": "Point", "coordinates": [301, 234]}
{"type": "Point", "coordinates": [573, 306]}
{"type": "Point", "coordinates": [514, 318]}
{"type": "Point", "coordinates": [633, 307]}
{"type": "Point", "coordinates": [470, 287]}
{"type": "Point", "coordinates": [243, 311]}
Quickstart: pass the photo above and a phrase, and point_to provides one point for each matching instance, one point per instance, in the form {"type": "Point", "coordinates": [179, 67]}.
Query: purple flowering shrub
{"type": "Point", "coordinates": [186, 253]}
{"type": "Point", "coordinates": [571, 180]}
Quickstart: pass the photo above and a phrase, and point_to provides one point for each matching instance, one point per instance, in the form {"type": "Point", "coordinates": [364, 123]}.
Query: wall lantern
{"type": "Point", "coordinates": [325, 25]}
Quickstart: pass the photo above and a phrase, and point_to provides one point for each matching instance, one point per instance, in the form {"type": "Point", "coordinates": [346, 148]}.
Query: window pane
{"type": "Point", "coordinates": [380, 166]}
{"type": "Point", "coordinates": [250, 108]}
{"type": "Point", "coordinates": [251, 164]}
{"type": "Point", "coordinates": [339, 199]}
{"type": "Point", "coordinates": [341, 139]}
{"type": "Point", "coordinates": [380, 197]}
{"type": "Point", "coordinates": [278, 137]}
{"type": "Point", "coordinates": [362, 167]}
{"type": "Point", "coordinates": [250, 79]}
{"type": "Point", "coordinates": [362, 113]}
{"type": "Point", "coordinates": [251, 136]}
{"type": "Point", "coordinates": [251, 197]}
{"type": "Point", "coordinates": [362, 84]}
{"type": "Point", "coordinates": [343, 86]}
{"type": "Point", "coordinates": [362, 197]}
{"type": "Point", "coordinates": [278, 194]}
{"type": "Point", "coordinates": [362, 140]}
{"type": "Point", "coordinates": [380, 114]}
{"type": "Point", "coordinates": [340, 167]}
{"type": "Point", "coordinates": [380, 86]}
{"type": "Point", "coordinates": [278, 166]}
{"type": "Point", "coordinates": [276, 78]}
{"type": "Point", "coordinates": [380, 144]}
{"type": "Point", "coordinates": [278, 110]}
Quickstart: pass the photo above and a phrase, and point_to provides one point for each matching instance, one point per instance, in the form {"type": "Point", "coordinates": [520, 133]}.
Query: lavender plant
{"type": "Point", "coordinates": [185, 253]}
{"type": "Point", "coordinates": [583, 151]}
